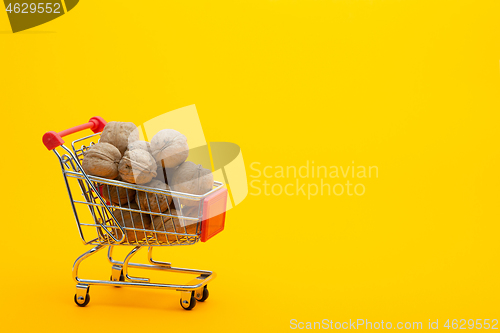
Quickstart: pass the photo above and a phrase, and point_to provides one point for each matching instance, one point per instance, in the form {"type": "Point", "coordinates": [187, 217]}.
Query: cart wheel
{"type": "Point", "coordinates": [192, 303]}
{"type": "Point", "coordinates": [204, 296]}
{"type": "Point", "coordinates": [84, 303]}
{"type": "Point", "coordinates": [122, 278]}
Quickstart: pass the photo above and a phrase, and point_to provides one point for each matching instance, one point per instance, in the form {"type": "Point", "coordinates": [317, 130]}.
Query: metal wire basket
{"type": "Point", "coordinates": [180, 224]}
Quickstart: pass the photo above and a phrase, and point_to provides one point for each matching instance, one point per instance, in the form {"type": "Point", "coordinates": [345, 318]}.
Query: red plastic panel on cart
{"type": "Point", "coordinates": [101, 190]}
{"type": "Point", "coordinates": [214, 214]}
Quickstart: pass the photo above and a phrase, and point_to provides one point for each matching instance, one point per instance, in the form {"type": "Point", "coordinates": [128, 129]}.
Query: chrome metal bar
{"type": "Point", "coordinates": [158, 263]}
{"type": "Point", "coordinates": [135, 210]}
{"type": "Point", "coordinates": [178, 287]}
{"type": "Point", "coordinates": [125, 266]}
{"type": "Point", "coordinates": [95, 190]}
{"type": "Point", "coordinates": [81, 258]}
{"type": "Point", "coordinates": [75, 213]}
{"type": "Point", "coordinates": [157, 267]}
{"type": "Point", "coordinates": [91, 241]}
{"type": "Point", "coordinates": [79, 175]}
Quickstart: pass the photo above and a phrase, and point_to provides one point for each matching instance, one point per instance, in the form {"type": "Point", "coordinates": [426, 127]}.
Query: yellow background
{"type": "Point", "coordinates": [409, 86]}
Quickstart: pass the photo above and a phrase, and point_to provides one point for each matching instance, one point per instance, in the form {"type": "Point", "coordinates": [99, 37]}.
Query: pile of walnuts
{"type": "Point", "coordinates": [159, 164]}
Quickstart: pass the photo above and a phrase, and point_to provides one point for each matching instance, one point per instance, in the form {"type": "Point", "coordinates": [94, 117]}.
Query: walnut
{"type": "Point", "coordinates": [102, 160]}
{"type": "Point", "coordinates": [175, 225]}
{"type": "Point", "coordinates": [128, 219]}
{"type": "Point", "coordinates": [118, 195]}
{"type": "Point", "coordinates": [190, 212]}
{"type": "Point", "coordinates": [144, 145]}
{"type": "Point", "coordinates": [120, 134]}
{"type": "Point", "coordinates": [154, 202]}
{"type": "Point", "coordinates": [169, 147]}
{"type": "Point", "coordinates": [192, 178]}
{"type": "Point", "coordinates": [163, 174]}
{"type": "Point", "coordinates": [137, 166]}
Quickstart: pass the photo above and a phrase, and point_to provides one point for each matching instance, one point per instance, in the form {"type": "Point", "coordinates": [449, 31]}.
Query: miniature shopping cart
{"type": "Point", "coordinates": [105, 230]}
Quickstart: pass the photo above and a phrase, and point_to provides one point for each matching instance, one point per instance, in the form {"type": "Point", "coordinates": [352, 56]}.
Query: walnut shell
{"type": "Point", "coordinates": [170, 147]}
{"type": "Point", "coordinates": [190, 211]}
{"type": "Point", "coordinates": [129, 219]}
{"type": "Point", "coordinates": [175, 204]}
{"type": "Point", "coordinates": [137, 166]}
{"type": "Point", "coordinates": [117, 195]}
{"type": "Point", "coordinates": [120, 134]}
{"type": "Point", "coordinates": [192, 178]}
{"type": "Point", "coordinates": [164, 174]}
{"type": "Point", "coordinates": [188, 226]}
{"type": "Point", "coordinates": [102, 160]}
{"type": "Point", "coordinates": [144, 145]}
{"type": "Point", "coordinates": [154, 202]}
{"type": "Point", "coordinates": [173, 224]}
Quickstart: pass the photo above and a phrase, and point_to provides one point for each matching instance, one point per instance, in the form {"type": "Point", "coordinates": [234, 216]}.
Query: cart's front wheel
{"type": "Point", "coordinates": [82, 301]}
{"type": "Point", "coordinates": [202, 297]}
{"type": "Point", "coordinates": [188, 304]}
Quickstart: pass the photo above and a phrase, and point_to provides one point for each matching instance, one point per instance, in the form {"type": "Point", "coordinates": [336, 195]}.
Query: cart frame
{"type": "Point", "coordinates": [210, 216]}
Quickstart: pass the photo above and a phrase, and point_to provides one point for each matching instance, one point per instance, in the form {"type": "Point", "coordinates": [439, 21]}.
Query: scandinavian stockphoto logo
{"type": "Point", "coordinates": [310, 179]}
{"type": "Point", "coordinates": [223, 158]}
{"type": "Point", "coordinates": [24, 14]}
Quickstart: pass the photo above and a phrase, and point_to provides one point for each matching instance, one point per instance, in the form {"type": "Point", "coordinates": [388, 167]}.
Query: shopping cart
{"type": "Point", "coordinates": [201, 219]}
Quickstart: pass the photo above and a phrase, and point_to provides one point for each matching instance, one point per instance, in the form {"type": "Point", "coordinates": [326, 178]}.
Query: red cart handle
{"type": "Point", "coordinates": [53, 139]}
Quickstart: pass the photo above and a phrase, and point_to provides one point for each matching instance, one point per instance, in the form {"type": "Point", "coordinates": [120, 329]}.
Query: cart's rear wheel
{"type": "Point", "coordinates": [192, 302]}
{"type": "Point", "coordinates": [204, 295]}
{"type": "Point", "coordinates": [82, 302]}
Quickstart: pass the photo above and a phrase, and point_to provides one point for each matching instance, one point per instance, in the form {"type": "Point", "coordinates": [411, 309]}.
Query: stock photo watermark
{"type": "Point", "coordinates": [431, 324]}
{"type": "Point", "coordinates": [310, 180]}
